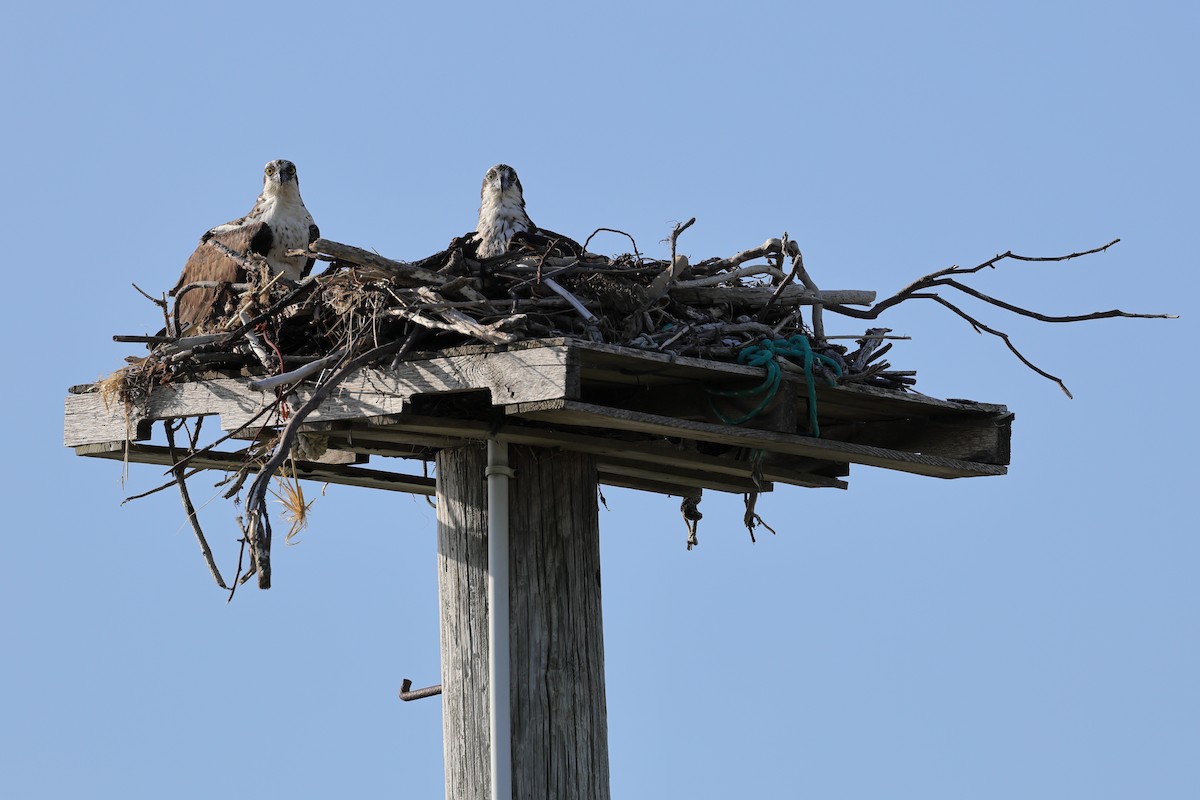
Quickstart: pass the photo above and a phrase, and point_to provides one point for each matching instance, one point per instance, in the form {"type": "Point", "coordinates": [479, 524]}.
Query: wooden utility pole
{"type": "Point", "coordinates": [559, 720]}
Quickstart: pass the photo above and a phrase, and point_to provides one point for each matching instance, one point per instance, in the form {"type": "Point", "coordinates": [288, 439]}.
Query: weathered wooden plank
{"type": "Point", "coordinates": [986, 441]}
{"type": "Point", "coordinates": [570, 412]}
{"type": "Point", "coordinates": [689, 401]}
{"type": "Point", "coordinates": [633, 469]}
{"type": "Point", "coordinates": [662, 486]}
{"type": "Point", "coordinates": [623, 363]}
{"type": "Point", "coordinates": [306, 470]}
{"type": "Point", "coordinates": [869, 403]}
{"type": "Point", "coordinates": [650, 478]}
{"type": "Point", "coordinates": [517, 376]}
{"type": "Point", "coordinates": [665, 456]}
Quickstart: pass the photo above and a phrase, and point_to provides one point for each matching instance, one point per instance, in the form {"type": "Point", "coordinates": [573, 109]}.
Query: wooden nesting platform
{"type": "Point", "coordinates": [645, 415]}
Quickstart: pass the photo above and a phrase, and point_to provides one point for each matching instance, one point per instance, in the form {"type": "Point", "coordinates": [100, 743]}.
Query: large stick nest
{"type": "Point", "coordinates": [365, 309]}
{"type": "Point", "coordinates": [545, 286]}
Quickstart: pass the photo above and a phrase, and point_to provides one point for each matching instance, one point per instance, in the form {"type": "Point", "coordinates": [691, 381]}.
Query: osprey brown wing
{"type": "Point", "coordinates": [314, 233]}
{"type": "Point", "coordinates": [211, 261]}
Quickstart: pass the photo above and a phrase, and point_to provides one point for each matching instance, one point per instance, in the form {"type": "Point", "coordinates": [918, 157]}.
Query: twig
{"type": "Point", "coordinates": [751, 517]}
{"type": "Point", "coordinates": [258, 525]}
{"type": "Point", "coordinates": [256, 346]}
{"type": "Point", "coordinates": [161, 303]}
{"type": "Point", "coordinates": [930, 280]}
{"type": "Point", "coordinates": [731, 275]}
{"type": "Point", "coordinates": [297, 375]}
{"type": "Point", "coordinates": [613, 230]}
{"type": "Point", "coordinates": [675, 235]}
{"type": "Point", "coordinates": [177, 471]}
{"type": "Point", "coordinates": [462, 323]}
{"type": "Point", "coordinates": [261, 413]}
{"type": "Point", "coordinates": [554, 286]}
{"type": "Point", "coordinates": [939, 278]}
{"type": "Point", "coordinates": [161, 487]}
{"type": "Point", "coordinates": [1046, 317]}
{"type": "Point", "coordinates": [979, 326]}
{"type": "Point", "coordinates": [292, 298]}
{"type": "Point", "coordinates": [797, 264]}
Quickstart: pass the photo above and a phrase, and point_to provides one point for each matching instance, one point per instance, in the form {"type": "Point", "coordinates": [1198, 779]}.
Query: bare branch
{"type": "Point", "coordinates": [258, 526]}
{"type": "Point", "coordinates": [675, 235]}
{"type": "Point", "coordinates": [177, 471]}
{"type": "Point", "coordinates": [980, 327]}
{"type": "Point", "coordinates": [613, 230]}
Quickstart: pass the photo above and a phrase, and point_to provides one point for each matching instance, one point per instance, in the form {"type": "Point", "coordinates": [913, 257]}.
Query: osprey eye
{"type": "Point", "coordinates": [291, 170]}
{"type": "Point", "coordinates": [270, 170]}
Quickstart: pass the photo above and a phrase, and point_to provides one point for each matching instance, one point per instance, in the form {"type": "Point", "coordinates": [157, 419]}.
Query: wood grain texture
{"type": "Point", "coordinates": [568, 412]}
{"type": "Point", "coordinates": [560, 721]}
{"type": "Point", "coordinates": [559, 716]}
{"type": "Point", "coordinates": [462, 593]}
{"type": "Point", "coordinates": [664, 456]}
{"type": "Point", "coordinates": [305, 470]}
{"type": "Point", "coordinates": [510, 377]}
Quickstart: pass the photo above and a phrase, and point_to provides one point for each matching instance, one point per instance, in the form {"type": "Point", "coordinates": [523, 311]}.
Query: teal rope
{"type": "Point", "coordinates": [766, 354]}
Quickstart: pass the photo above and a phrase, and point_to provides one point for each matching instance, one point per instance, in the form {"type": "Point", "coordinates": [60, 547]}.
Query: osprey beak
{"type": "Point", "coordinates": [506, 181]}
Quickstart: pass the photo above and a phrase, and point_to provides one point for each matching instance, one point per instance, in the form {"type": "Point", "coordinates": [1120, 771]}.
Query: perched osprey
{"type": "Point", "coordinates": [278, 222]}
{"type": "Point", "coordinates": [501, 211]}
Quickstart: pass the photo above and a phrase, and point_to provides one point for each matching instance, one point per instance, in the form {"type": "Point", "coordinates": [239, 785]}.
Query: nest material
{"type": "Point", "coordinates": [365, 309]}
{"type": "Point", "coordinates": [545, 286]}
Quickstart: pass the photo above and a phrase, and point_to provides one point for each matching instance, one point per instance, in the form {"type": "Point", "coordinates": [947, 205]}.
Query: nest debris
{"type": "Point", "coordinates": [365, 309]}
{"type": "Point", "coordinates": [544, 287]}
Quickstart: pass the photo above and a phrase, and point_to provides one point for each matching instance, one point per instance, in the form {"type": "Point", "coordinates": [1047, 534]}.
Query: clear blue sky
{"type": "Point", "coordinates": [1033, 636]}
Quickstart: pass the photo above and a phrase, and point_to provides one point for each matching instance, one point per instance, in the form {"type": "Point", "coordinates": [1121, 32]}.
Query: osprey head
{"type": "Point", "coordinates": [277, 174]}
{"type": "Point", "coordinates": [500, 179]}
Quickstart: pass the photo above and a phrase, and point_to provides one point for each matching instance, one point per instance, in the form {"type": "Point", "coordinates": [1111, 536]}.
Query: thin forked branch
{"type": "Point", "coordinates": [918, 289]}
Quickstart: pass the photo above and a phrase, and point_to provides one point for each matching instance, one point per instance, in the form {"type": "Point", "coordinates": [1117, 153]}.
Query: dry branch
{"type": "Point", "coordinates": [177, 472]}
{"type": "Point", "coordinates": [917, 290]}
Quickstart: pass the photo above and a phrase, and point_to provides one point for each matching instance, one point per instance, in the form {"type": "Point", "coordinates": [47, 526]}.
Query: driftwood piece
{"type": "Point", "coordinates": [299, 374]}
{"type": "Point", "coordinates": [458, 321]}
{"type": "Point", "coordinates": [356, 255]}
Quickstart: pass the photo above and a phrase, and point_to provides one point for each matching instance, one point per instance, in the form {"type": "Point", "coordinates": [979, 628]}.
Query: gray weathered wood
{"type": "Point", "coordinates": [462, 591]}
{"type": "Point", "coordinates": [985, 444]}
{"type": "Point", "coordinates": [570, 412]}
{"type": "Point", "coordinates": [663, 456]}
{"type": "Point", "coordinates": [356, 255]}
{"type": "Point", "coordinates": [559, 717]}
{"type": "Point", "coordinates": [217, 460]}
{"type": "Point", "coordinates": [518, 376]}
{"type": "Point", "coordinates": [624, 388]}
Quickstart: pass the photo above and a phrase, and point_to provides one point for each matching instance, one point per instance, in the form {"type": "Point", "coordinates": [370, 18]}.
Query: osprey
{"type": "Point", "coordinates": [278, 222]}
{"type": "Point", "coordinates": [501, 211]}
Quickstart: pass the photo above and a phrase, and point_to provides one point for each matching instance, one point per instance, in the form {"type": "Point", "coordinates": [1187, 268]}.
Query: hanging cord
{"type": "Point", "coordinates": [766, 354]}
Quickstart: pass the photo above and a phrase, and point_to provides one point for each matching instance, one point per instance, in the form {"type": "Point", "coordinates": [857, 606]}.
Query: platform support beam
{"type": "Point", "coordinates": [559, 719]}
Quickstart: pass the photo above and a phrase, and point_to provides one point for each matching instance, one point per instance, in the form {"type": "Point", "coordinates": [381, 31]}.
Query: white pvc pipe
{"type": "Point", "coordinates": [500, 730]}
